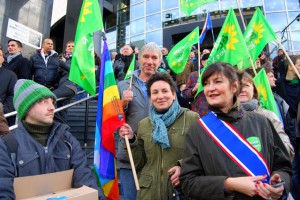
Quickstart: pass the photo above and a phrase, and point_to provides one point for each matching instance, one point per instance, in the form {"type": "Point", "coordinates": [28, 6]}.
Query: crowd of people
{"type": "Point", "coordinates": [218, 144]}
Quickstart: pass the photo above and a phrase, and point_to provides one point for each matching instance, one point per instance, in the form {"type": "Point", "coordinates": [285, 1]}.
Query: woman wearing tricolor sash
{"type": "Point", "coordinates": [231, 153]}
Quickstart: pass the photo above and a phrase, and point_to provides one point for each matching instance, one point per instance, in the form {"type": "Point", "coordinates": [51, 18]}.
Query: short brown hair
{"type": "Point", "coordinates": [161, 76]}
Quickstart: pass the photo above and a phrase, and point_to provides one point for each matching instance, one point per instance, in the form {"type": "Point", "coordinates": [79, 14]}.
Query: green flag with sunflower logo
{"type": "Point", "coordinates": [179, 54]}
{"type": "Point", "coordinates": [82, 71]}
{"type": "Point", "coordinates": [230, 46]}
{"type": "Point", "coordinates": [189, 6]}
{"type": "Point", "coordinates": [257, 35]}
{"type": "Point", "coordinates": [266, 98]}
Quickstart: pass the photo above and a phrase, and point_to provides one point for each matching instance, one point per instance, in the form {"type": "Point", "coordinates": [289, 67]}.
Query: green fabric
{"type": "Point", "coordinates": [38, 132]}
{"type": "Point", "coordinates": [230, 46]}
{"type": "Point", "coordinates": [257, 34]}
{"type": "Point", "coordinates": [82, 71]}
{"type": "Point", "coordinates": [180, 53]}
{"type": "Point", "coordinates": [266, 98]}
{"type": "Point", "coordinates": [152, 161]}
{"type": "Point", "coordinates": [130, 68]}
{"type": "Point", "coordinates": [189, 6]}
{"type": "Point", "coordinates": [27, 93]}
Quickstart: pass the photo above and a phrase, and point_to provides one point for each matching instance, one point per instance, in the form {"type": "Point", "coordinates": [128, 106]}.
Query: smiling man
{"type": "Point", "coordinates": [136, 106]}
{"type": "Point", "coordinates": [39, 145]}
{"type": "Point", "coordinates": [16, 62]}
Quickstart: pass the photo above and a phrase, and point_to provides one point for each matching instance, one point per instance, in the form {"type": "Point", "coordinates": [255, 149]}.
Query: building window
{"type": "Point", "coordinates": [170, 4]}
{"type": "Point", "coordinates": [155, 36]}
{"type": "Point", "coordinates": [137, 27]}
{"type": "Point", "coordinates": [274, 5]}
{"type": "Point", "coordinates": [153, 6]}
{"type": "Point", "coordinates": [153, 22]}
{"type": "Point", "coordinates": [138, 41]}
{"type": "Point", "coordinates": [274, 18]}
{"type": "Point", "coordinates": [293, 4]}
{"type": "Point", "coordinates": [137, 11]}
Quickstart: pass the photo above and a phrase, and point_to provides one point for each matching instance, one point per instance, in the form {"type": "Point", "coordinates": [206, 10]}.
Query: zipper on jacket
{"type": "Point", "coordinates": [162, 174]}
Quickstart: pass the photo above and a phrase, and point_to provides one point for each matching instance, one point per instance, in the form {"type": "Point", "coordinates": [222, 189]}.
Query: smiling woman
{"type": "Point", "coordinates": [159, 142]}
{"type": "Point", "coordinates": [231, 153]}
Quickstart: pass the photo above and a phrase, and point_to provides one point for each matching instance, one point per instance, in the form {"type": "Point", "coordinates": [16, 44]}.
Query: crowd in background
{"type": "Point", "coordinates": [157, 106]}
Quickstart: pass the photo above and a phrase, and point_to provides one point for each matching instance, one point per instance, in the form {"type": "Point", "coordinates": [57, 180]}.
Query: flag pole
{"type": "Point", "coordinates": [242, 17]}
{"type": "Point", "coordinates": [199, 58]}
{"type": "Point", "coordinates": [130, 83]}
{"type": "Point", "coordinates": [137, 185]}
{"type": "Point", "coordinates": [288, 57]}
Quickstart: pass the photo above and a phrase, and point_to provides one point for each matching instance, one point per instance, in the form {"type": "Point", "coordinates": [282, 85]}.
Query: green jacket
{"type": "Point", "coordinates": [153, 161]}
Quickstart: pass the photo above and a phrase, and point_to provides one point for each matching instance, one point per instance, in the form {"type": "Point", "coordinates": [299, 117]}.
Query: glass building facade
{"type": "Point", "coordinates": [143, 21]}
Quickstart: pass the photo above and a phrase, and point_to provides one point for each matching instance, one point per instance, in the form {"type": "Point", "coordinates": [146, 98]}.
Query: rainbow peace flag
{"type": "Point", "coordinates": [110, 116]}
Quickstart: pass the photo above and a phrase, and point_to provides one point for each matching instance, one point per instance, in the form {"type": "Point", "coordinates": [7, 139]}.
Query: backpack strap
{"type": "Point", "coordinates": [12, 148]}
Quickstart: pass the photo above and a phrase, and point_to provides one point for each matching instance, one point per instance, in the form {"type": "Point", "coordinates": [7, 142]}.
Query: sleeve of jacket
{"type": "Point", "coordinates": [83, 174]}
{"type": "Point", "coordinates": [6, 174]}
{"type": "Point", "coordinates": [195, 184]}
{"type": "Point", "coordinates": [8, 103]}
{"type": "Point", "coordinates": [138, 152]}
{"type": "Point", "coordinates": [66, 88]}
{"type": "Point", "coordinates": [281, 163]}
{"type": "Point", "coordinates": [190, 84]}
{"type": "Point", "coordinates": [26, 72]}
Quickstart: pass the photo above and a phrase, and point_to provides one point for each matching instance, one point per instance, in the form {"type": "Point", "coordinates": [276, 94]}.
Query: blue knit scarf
{"type": "Point", "coordinates": [161, 121]}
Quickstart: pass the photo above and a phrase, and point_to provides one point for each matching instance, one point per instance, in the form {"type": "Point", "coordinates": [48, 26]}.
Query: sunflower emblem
{"type": "Point", "coordinates": [262, 93]}
{"type": "Point", "coordinates": [176, 64]}
{"type": "Point", "coordinates": [231, 31]}
{"type": "Point", "coordinates": [192, 36]}
{"type": "Point", "coordinates": [86, 10]}
{"type": "Point", "coordinates": [258, 29]}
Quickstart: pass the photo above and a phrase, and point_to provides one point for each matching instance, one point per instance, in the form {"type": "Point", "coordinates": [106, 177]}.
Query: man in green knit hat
{"type": "Point", "coordinates": [39, 145]}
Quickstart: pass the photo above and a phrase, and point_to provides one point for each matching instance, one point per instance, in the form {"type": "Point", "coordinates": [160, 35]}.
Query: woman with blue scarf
{"type": "Point", "coordinates": [158, 145]}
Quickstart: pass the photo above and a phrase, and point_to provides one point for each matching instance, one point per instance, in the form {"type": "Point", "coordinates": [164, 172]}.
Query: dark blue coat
{"type": "Point", "coordinates": [63, 152]}
{"type": "Point", "coordinates": [45, 74]}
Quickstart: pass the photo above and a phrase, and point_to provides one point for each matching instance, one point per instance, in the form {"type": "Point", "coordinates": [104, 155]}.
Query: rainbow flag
{"type": "Point", "coordinates": [110, 116]}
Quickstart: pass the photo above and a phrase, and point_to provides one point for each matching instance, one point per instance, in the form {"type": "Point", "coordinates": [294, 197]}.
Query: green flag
{"type": "Point", "coordinates": [266, 98]}
{"type": "Point", "coordinates": [82, 71]}
{"type": "Point", "coordinates": [130, 68]}
{"type": "Point", "coordinates": [230, 46]}
{"type": "Point", "coordinates": [179, 54]}
{"type": "Point", "coordinates": [189, 6]}
{"type": "Point", "coordinates": [257, 35]}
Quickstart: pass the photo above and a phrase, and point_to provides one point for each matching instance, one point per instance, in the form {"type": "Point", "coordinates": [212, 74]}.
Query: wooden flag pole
{"type": "Point", "coordinates": [199, 59]}
{"type": "Point", "coordinates": [288, 57]}
{"type": "Point", "coordinates": [137, 185]}
{"type": "Point", "coordinates": [242, 17]}
{"type": "Point", "coordinates": [130, 83]}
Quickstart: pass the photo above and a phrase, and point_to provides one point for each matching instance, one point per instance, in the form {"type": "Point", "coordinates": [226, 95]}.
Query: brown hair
{"type": "Point", "coordinates": [161, 76]}
{"type": "Point", "coordinates": [244, 76]}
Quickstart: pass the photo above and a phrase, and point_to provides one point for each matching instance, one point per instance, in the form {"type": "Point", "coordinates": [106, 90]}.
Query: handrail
{"type": "Point", "coordinates": [13, 113]}
{"type": "Point", "coordinates": [63, 107]}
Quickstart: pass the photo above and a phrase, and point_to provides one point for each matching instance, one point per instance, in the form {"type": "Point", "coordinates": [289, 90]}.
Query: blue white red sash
{"type": "Point", "coordinates": [235, 146]}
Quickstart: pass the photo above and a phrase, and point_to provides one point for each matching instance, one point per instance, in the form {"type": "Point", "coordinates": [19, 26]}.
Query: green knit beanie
{"type": "Point", "coordinates": [27, 93]}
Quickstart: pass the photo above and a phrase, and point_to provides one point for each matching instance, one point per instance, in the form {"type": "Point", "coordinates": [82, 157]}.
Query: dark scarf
{"type": "Point", "coordinates": [235, 112]}
{"type": "Point", "coordinates": [39, 132]}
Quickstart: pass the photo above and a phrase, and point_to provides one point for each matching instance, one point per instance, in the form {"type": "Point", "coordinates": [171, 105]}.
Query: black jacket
{"type": "Point", "coordinates": [45, 74]}
{"type": "Point", "coordinates": [8, 80]}
{"type": "Point", "coordinates": [21, 66]}
{"type": "Point", "coordinates": [205, 166]}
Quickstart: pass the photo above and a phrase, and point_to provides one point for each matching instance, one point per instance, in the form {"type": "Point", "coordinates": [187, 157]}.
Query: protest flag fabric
{"type": "Point", "coordinates": [230, 46]}
{"type": "Point", "coordinates": [189, 6]}
{"type": "Point", "coordinates": [207, 26]}
{"type": "Point", "coordinates": [257, 35]}
{"type": "Point", "coordinates": [110, 117]}
{"type": "Point", "coordinates": [82, 71]}
{"type": "Point", "coordinates": [266, 97]}
{"type": "Point", "coordinates": [180, 53]}
{"type": "Point", "coordinates": [130, 68]}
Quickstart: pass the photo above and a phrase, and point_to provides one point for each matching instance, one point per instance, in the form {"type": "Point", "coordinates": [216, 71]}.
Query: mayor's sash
{"type": "Point", "coordinates": [235, 146]}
